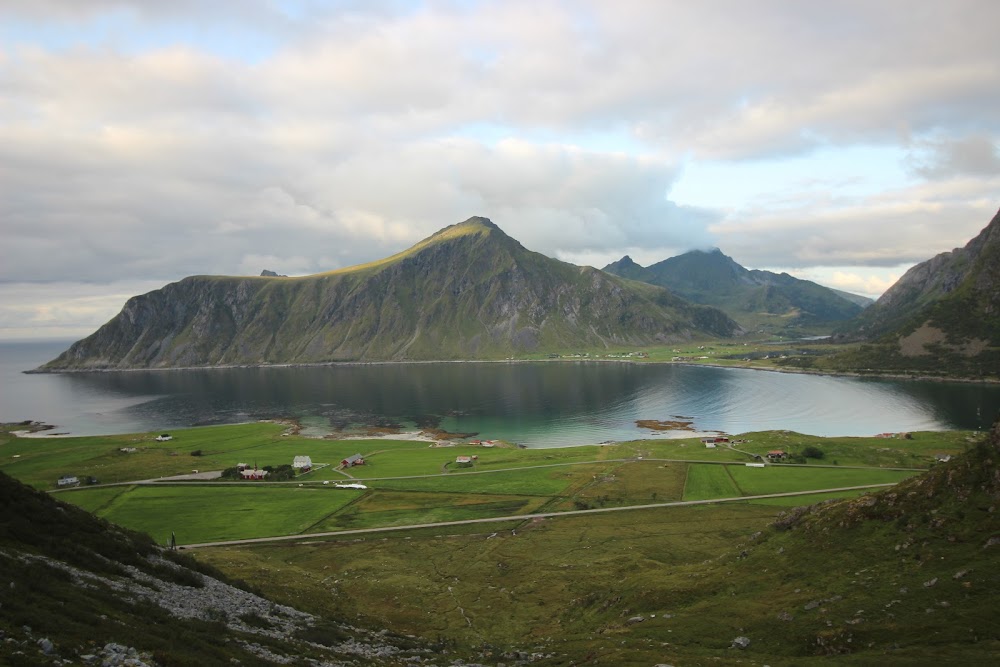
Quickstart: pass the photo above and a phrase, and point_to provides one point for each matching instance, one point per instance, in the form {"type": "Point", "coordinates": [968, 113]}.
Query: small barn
{"type": "Point", "coordinates": [777, 455]}
{"type": "Point", "coordinates": [464, 461]}
{"type": "Point", "coordinates": [302, 463]}
{"type": "Point", "coordinates": [353, 460]}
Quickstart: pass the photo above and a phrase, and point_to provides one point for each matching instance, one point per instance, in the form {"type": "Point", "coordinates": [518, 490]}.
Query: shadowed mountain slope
{"type": "Point", "coordinates": [75, 589]}
{"type": "Point", "coordinates": [942, 316]}
{"type": "Point", "coordinates": [467, 292]}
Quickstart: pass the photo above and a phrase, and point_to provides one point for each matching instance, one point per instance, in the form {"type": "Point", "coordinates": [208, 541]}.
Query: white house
{"type": "Point", "coordinates": [302, 463]}
{"type": "Point", "coordinates": [68, 480]}
{"type": "Point", "coordinates": [165, 437]}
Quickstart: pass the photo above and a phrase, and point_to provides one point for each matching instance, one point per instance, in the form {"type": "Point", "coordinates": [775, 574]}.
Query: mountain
{"type": "Point", "coordinates": [942, 315]}
{"type": "Point", "coordinates": [79, 590]}
{"type": "Point", "coordinates": [862, 301]}
{"type": "Point", "coordinates": [469, 291]}
{"type": "Point", "coordinates": [751, 297]}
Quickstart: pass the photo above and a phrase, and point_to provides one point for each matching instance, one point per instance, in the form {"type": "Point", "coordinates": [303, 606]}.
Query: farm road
{"type": "Point", "coordinates": [522, 517]}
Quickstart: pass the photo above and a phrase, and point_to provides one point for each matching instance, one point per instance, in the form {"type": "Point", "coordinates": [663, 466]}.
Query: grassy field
{"type": "Point", "coordinates": [570, 587]}
{"type": "Point", "coordinates": [706, 481]}
{"type": "Point", "coordinates": [197, 513]}
{"type": "Point", "coordinates": [412, 482]}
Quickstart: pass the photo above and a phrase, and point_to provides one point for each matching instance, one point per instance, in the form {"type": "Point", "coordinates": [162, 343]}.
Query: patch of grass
{"type": "Point", "coordinates": [706, 481]}
{"type": "Point", "coordinates": [209, 513]}
{"type": "Point", "coordinates": [782, 479]}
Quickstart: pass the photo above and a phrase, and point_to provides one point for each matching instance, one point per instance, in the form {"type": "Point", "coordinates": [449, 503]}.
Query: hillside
{"type": "Point", "coordinates": [79, 590]}
{"type": "Point", "coordinates": [753, 298]}
{"type": "Point", "coordinates": [903, 576]}
{"type": "Point", "coordinates": [467, 292]}
{"type": "Point", "coordinates": [942, 316]}
{"type": "Point", "coordinates": [906, 576]}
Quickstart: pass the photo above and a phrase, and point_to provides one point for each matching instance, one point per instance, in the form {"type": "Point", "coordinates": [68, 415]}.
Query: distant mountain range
{"type": "Point", "coordinates": [753, 298]}
{"type": "Point", "coordinates": [469, 291]}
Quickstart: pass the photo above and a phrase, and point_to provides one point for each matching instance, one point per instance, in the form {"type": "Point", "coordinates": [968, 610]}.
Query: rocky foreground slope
{"type": "Point", "coordinates": [467, 292]}
{"type": "Point", "coordinates": [75, 589]}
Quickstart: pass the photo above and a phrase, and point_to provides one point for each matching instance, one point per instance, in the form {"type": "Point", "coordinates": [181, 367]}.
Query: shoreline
{"type": "Point", "coordinates": [322, 364]}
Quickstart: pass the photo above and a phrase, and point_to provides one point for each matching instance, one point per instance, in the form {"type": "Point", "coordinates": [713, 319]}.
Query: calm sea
{"type": "Point", "coordinates": [536, 404]}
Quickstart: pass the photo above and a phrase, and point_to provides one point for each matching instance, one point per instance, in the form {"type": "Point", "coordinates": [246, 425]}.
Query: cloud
{"type": "Point", "coordinates": [897, 227]}
{"type": "Point", "coordinates": [151, 140]}
{"type": "Point", "coordinates": [867, 285]}
{"type": "Point", "coordinates": [62, 310]}
{"type": "Point", "coordinates": [976, 155]}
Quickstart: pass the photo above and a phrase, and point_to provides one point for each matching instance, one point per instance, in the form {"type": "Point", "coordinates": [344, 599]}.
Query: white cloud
{"type": "Point", "coordinates": [152, 140]}
{"type": "Point", "coordinates": [895, 227]}
{"type": "Point", "coordinates": [62, 310]}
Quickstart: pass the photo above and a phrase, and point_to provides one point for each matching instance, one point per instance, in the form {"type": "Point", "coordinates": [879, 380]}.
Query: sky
{"type": "Point", "coordinates": [145, 141]}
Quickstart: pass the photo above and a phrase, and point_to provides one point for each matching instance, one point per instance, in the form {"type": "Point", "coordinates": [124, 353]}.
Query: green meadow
{"type": "Point", "coordinates": [573, 586]}
{"type": "Point", "coordinates": [414, 482]}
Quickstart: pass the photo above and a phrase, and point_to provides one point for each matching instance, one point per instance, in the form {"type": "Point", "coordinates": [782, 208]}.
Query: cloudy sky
{"type": "Point", "coordinates": [144, 141]}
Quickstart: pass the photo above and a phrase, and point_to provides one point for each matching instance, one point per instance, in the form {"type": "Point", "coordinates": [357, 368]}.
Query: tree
{"type": "Point", "coordinates": [813, 452]}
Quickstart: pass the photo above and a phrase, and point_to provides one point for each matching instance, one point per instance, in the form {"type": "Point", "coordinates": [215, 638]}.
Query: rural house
{"type": "Point", "coordinates": [164, 437]}
{"type": "Point", "coordinates": [253, 473]}
{"type": "Point", "coordinates": [353, 460]}
{"type": "Point", "coordinates": [302, 463]}
{"type": "Point", "coordinates": [68, 480]}
{"type": "Point", "coordinates": [777, 455]}
{"type": "Point", "coordinates": [463, 460]}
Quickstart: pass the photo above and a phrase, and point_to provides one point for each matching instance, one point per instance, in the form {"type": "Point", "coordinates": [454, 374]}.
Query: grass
{"type": "Point", "coordinates": [706, 481]}
{"type": "Point", "coordinates": [570, 587]}
{"type": "Point", "coordinates": [206, 513]}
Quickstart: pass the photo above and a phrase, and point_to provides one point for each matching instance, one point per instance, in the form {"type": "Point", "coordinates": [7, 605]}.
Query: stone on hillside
{"type": "Point", "coordinates": [741, 642]}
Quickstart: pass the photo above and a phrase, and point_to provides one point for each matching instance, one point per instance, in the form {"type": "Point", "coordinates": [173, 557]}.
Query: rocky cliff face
{"type": "Point", "coordinates": [956, 292]}
{"type": "Point", "coordinates": [941, 318]}
{"type": "Point", "coordinates": [469, 291]}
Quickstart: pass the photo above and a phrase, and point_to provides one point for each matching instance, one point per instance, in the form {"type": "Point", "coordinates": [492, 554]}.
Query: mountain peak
{"type": "Point", "coordinates": [476, 225]}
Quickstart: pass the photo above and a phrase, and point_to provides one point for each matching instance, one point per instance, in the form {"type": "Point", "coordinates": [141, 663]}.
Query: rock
{"type": "Point", "coordinates": [812, 604]}
{"type": "Point", "coordinates": [930, 583]}
{"type": "Point", "coordinates": [635, 619]}
{"type": "Point", "coordinates": [741, 643]}
{"type": "Point", "coordinates": [960, 574]}
{"type": "Point", "coordinates": [45, 644]}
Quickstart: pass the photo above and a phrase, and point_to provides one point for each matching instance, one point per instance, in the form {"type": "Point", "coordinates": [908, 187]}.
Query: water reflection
{"type": "Point", "coordinates": [541, 404]}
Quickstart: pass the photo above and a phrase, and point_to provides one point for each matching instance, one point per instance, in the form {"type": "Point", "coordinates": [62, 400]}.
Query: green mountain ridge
{"type": "Point", "coordinates": [943, 315]}
{"type": "Point", "coordinates": [467, 292]}
{"type": "Point", "coordinates": [748, 296]}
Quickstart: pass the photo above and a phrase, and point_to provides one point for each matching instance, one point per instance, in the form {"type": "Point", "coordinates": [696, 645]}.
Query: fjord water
{"type": "Point", "coordinates": [548, 404]}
